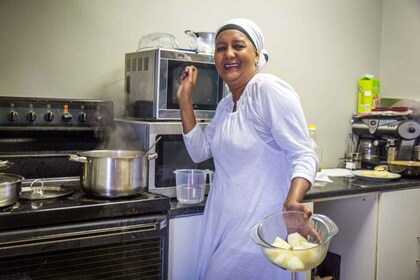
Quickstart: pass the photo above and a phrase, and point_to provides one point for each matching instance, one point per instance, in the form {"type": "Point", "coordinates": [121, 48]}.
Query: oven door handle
{"type": "Point", "coordinates": [84, 235]}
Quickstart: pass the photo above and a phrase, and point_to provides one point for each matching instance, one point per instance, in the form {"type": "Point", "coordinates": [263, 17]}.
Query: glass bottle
{"type": "Point", "coordinates": [315, 145]}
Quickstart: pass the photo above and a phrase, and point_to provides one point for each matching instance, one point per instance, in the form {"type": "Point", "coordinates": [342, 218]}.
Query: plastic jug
{"type": "Point", "coordinates": [191, 185]}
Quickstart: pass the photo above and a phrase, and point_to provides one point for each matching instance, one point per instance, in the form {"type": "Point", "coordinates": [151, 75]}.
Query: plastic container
{"type": "Point", "coordinates": [191, 185]}
{"type": "Point", "coordinates": [265, 232]}
{"type": "Point", "coordinates": [353, 161]}
{"type": "Point", "coordinates": [158, 40]}
{"type": "Point", "coordinates": [315, 145]}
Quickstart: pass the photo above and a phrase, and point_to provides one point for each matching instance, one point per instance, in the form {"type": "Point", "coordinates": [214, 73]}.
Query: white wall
{"type": "Point", "coordinates": [400, 56]}
{"type": "Point", "coordinates": [75, 48]}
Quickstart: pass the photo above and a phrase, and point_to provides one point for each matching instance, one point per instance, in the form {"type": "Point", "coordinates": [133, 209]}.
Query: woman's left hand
{"type": "Point", "coordinates": [307, 229]}
{"type": "Point", "coordinates": [297, 206]}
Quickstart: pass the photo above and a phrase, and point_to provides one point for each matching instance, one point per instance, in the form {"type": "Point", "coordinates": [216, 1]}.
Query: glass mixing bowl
{"type": "Point", "coordinates": [317, 232]}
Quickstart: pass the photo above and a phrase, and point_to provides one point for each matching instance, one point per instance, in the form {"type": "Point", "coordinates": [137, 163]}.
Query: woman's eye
{"type": "Point", "coordinates": [220, 49]}
{"type": "Point", "coordinates": [238, 47]}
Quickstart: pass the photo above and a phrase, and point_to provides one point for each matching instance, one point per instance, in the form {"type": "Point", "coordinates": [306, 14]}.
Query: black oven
{"type": "Point", "coordinates": [119, 248]}
{"type": "Point", "coordinates": [72, 235]}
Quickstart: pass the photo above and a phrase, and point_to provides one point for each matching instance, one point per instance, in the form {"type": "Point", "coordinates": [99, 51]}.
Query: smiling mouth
{"type": "Point", "coordinates": [230, 66]}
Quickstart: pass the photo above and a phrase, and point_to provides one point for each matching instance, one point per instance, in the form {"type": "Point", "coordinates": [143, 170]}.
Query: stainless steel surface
{"type": "Point", "coordinates": [114, 173]}
{"type": "Point", "coordinates": [4, 164]}
{"type": "Point", "coordinates": [10, 188]}
{"type": "Point", "coordinates": [353, 161]}
{"type": "Point", "coordinates": [401, 133]}
{"type": "Point", "coordinates": [392, 154]}
{"type": "Point", "coordinates": [151, 81]}
{"type": "Point", "coordinates": [417, 153]}
{"type": "Point", "coordinates": [139, 135]}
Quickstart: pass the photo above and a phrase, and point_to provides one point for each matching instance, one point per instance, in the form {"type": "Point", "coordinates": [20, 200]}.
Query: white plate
{"type": "Point", "coordinates": [373, 175]}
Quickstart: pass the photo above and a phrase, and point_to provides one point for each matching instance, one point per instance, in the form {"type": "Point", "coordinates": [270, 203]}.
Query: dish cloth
{"type": "Point", "coordinates": [321, 179]}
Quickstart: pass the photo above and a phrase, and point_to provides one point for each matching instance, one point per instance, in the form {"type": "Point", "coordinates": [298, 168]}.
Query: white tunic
{"type": "Point", "coordinates": [257, 151]}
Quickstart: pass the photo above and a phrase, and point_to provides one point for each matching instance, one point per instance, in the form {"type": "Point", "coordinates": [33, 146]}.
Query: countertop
{"type": "Point", "coordinates": [340, 187]}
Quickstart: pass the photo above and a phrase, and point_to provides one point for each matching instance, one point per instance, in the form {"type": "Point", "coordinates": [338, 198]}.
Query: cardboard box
{"type": "Point", "coordinates": [368, 94]}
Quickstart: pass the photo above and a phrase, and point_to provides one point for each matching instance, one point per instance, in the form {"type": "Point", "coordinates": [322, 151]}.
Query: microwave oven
{"type": "Point", "coordinates": [152, 79]}
{"type": "Point", "coordinates": [133, 134]}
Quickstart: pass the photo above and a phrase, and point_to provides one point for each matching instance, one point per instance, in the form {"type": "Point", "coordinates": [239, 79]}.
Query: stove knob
{"type": "Point", "coordinates": [99, 117]}
{"type": "Point", "coordinates": [82, 117]}
{"type": "Point", "coordinates": [31, 116]}
{"type": "Point", "coordinates": [13, 115]}
{"type": "Point", "coordinates": [49, 117]}
{"type": "Point", "coordinates": [67, 117]}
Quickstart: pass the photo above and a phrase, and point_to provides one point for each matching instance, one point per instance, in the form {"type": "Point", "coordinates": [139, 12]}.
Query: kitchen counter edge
{"type": "Point", "coordinates": [339, 188]}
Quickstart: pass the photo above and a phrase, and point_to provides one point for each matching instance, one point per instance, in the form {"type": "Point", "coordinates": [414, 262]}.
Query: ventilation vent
{"type": "Point", "coordinates": [141, 259]}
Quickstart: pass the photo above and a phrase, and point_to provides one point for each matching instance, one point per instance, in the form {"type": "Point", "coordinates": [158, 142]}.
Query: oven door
{"type": "Point", "coordinates": [126, 248]}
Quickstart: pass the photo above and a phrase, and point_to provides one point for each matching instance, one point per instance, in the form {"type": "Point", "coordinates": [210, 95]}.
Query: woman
{"type": "Point", "coordinates": [260, 145]}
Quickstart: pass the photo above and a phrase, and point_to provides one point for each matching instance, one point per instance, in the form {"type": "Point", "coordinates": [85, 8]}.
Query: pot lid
{"type": "Point", "coordinates": [6, 178]}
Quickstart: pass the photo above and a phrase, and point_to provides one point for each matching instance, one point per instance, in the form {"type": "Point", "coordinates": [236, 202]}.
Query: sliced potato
{"type": "Point", "coordinates": [294, 239]}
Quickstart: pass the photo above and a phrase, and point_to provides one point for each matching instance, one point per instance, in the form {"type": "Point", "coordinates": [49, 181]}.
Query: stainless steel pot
{"type": "Point", "coordinates": [4, 164]}
{"type": "Point", "coordinates": [10, 188]}
{"type": "Point", "coordinates": [114, 173]}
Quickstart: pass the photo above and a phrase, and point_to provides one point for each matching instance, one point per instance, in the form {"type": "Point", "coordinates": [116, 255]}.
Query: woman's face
{"type": "Point", "coordinates": [235, 58]}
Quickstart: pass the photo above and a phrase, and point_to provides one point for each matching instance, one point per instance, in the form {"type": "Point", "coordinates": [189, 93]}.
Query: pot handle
{"type": "Point", "coordinates": [151, 156]}
{"type": "Point", "coordinates": [78, 158]}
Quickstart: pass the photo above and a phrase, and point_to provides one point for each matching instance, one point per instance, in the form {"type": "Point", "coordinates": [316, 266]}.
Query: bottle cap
{"type": "Point", "coordinates": [312, 127]}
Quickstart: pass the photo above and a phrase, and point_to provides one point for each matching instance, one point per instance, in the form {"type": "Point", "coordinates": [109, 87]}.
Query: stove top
{"type": "Point", "coordinates": [76, 206]}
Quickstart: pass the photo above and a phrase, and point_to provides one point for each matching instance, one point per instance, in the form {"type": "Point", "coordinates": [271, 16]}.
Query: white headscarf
{"type": "Point", "coordinates": [252, 31]}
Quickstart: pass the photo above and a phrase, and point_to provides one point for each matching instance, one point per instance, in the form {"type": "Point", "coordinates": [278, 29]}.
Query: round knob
{"type": "Point", "coordinates": [411, 129]}
{"type": "Point", "coordinates": [67, 117]}
{"type": "Point", "coordinates": [82, 117]}
{"type": "Point", "coordinates": [49, 117]}
{"type": "Point", "coordinates": [13, 115]}
{"type": "Point", "coordinates": [99, 117]}
{"type": "Point", "coordinates": [31, 116]}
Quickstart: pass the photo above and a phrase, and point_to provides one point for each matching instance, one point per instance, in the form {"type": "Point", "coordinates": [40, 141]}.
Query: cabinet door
{"type": "Point", "coordinates": [184, 235]}
{"type": "Point", "coordinates": [398, 235]}
{"type": "Point", "coordinates": [356, 218]}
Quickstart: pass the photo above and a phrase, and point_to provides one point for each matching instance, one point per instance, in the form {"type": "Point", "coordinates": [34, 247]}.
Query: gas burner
{"type": "Point", "coordinates": [100, 199]}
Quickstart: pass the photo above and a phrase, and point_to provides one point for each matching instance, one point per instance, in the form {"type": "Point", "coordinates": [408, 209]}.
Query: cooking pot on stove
{"type": "Point", "coordinates": [4, 164]}
{"type": "Point", "coordinates": [10, 188]}
{"type": "Point", "coordinates": [114, 173]}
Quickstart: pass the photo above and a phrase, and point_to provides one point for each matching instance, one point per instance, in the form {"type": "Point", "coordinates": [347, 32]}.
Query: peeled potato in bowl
{"type": "Point", "coordinates": [295, 254]}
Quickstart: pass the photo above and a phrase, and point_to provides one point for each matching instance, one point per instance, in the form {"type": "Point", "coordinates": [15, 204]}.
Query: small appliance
{"type": "Point", "coordinates": [380, 137]}
{"type": "Point", "coordinates": [152, 79]}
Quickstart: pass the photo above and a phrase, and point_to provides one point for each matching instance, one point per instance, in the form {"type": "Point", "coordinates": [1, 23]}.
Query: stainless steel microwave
{"type": "Point", "coordinates": [132, 134]}
{"type": "Point", "coordinates": [152, 79]}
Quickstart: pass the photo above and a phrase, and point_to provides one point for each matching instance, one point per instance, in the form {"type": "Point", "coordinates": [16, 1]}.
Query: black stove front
{"type": "Point", "coordinates": [75, 206]}
{"type": "Point", "coordinates": [72, 236]}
